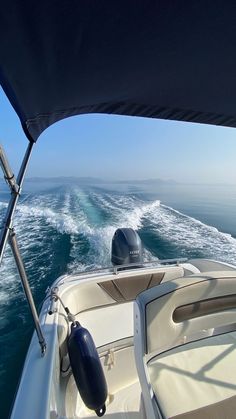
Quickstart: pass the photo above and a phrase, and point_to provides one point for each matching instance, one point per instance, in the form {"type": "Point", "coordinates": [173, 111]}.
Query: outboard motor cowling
{"type": "Point", "coordinates": [126, 247]}
{"type": "Point", "coordinates": [87, 369]}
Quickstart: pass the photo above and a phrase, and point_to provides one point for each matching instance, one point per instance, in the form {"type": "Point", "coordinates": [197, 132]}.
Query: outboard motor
{"type": "Point", "coordinates": [126, 247]}
{"type": "Point", "coordinates": [87, 369]}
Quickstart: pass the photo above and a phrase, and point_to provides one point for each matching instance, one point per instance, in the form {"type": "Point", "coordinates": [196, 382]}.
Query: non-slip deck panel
{"type": "Point", "coordinates": [127, 289]}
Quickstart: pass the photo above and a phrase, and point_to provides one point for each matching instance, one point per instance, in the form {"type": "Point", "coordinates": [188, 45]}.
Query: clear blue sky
{"type": "Point", "coordinates": [116, 147]}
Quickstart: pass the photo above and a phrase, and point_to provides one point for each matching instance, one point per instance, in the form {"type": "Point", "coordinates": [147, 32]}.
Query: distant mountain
{"type": "Point", "coordinates": [93, 180]}
{"type": "Point", "coordinates": [151, 181]}
{"type": "Point", "coordinates": [66, 179]}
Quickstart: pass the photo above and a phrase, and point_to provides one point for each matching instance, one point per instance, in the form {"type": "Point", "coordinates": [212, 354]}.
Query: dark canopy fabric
{"type": "Point", "coordinates": [171, 59]}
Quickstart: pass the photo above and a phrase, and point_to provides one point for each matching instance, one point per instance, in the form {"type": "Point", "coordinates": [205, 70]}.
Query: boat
{"type": "Point", "coordinates": [135, 340]}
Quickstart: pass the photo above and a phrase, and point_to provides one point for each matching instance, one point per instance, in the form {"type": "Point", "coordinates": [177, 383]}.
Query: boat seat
{"type": "Point", "coordinates": [185, 347]}
{"type": "Point", "coordinates": [126, 288]}
{"type": "Point", "coordinates": [115, 323]}
{"type": "Point", "coordinates": [95, 300]}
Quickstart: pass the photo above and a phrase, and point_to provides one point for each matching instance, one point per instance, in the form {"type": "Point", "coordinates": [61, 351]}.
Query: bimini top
{"type": "Point", "coordinates": [171, 59]}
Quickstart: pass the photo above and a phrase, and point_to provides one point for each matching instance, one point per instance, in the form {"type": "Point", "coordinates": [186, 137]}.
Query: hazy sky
{"type": "Point", "coordinates": [116, 147]}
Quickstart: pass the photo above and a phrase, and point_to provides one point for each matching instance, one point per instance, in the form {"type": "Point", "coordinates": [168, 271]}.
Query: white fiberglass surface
{"type": "Point", "coordinates": [68, 228]}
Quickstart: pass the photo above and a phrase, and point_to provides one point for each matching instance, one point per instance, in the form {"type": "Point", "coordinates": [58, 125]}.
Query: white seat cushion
{"type": "Point", "coordinates": [197, 380]}
{"type": "Point", "coordinates": [109, 323]}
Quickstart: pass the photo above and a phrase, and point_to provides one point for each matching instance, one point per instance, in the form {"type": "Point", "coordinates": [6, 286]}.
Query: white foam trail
{"type": "Point", "coordinates": [126, 209]}
{"type": "Point", "coordinates": [191, 235]}
{"type": "Point", "coordinates": [81, 216]}
{"type": "Point", "coordinates": [100, 238]}
{"type": "Point", "coordinates": [3, 205]}
{"type": "Point", "coordinates": [62, 222]}
{"type": "Point", "coordinates": [184, 233]}
{"type": "Point", "coordinates": [34, 217]}
{"type": "Point", "coordinates": [75, 217]}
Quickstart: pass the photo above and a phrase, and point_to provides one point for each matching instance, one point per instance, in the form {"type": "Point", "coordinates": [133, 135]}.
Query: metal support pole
{"type": "Point", "coordinates": [26, 287]}
{"type": "Point", "coordinates": [16, 189]}
{"type": "Point", "coordinates": [8, 233]}
{"type": "Point", "coordinates": [8, 175]}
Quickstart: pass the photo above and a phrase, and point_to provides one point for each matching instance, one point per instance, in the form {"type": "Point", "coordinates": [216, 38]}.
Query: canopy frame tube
{"type": "Point", "coordinates": [26, 288]}
{"type": "Point", "coordinates": [16, 190]}
{"type": "Point", "coordinates": [8, 232]}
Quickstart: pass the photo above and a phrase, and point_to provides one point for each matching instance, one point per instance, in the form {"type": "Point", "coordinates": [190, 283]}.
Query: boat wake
{"type": "Point", "coordinates": [71, 230]}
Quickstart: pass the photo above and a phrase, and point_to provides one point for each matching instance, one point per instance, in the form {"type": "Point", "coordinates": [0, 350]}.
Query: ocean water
{"type": "Point", "coordinates": [63, 227]}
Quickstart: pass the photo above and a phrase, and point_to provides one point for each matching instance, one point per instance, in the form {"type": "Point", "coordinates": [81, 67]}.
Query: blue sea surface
{"type": "Point", "coordinates": [67, 227]}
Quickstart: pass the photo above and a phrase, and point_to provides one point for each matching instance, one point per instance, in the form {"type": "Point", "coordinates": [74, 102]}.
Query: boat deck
{"type": "Point", "coordinates": [126, 403]}
{"type": "Point", "coordinates": [107, 305]}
